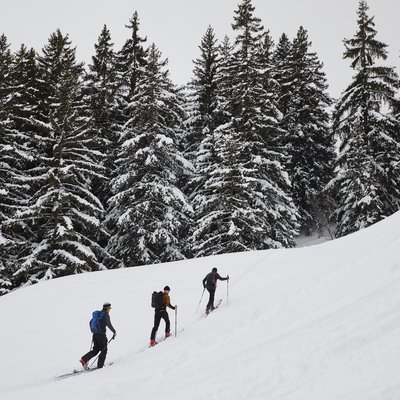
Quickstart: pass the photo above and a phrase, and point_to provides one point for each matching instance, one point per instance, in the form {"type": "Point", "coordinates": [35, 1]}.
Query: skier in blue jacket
{"type": "Point", "coordinates": [100, 339]}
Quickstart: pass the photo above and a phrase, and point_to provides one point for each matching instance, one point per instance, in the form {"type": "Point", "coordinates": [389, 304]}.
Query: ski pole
{"type": "Point", "coordinates": [201, 298]}
{"type": "Point", "coordinates": [176, 320]}
{"type": "Point", "coordinates": [227, 291]}
{"type": "Point", "coordinates": [90, 366]}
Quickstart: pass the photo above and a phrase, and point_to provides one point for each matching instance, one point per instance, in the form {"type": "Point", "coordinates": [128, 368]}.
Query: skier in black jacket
{"type": "Point", "coordinates": [210, 283]}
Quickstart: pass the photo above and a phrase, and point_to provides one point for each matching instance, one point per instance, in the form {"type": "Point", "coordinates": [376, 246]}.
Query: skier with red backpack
{"type": "Point", "coordinates": [160, 301]}
{"type": "Point", "coordinates": [210, 283]}
{"type": "Point", "coordinates": [98, 324]}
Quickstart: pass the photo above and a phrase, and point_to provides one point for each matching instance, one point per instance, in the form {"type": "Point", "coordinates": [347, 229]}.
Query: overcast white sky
{"type": "Point", "coordinates": [177, 26]}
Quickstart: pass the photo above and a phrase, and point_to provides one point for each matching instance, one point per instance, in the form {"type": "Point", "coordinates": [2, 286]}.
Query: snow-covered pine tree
{"type": "Point", "coordinates": [6, 265]}
{"type": "Point", "coordinates": [101, 90]}
{"type": "Point", "coordinates": [211, 225]}
{"type": "Point", "coordinates": [202, 119]}
{"type": "Point", "coordinates": [62, 213]}
{"type": "Point", "coordinates": [7, 164]}
{"type": "Point", "coordinates": [282, 74]}
{"type": "Point", "coordinates": [224, 72]}
{"type": "Point", "coordinates": [202, 95]}
{"type": "Point", "coordinates": [7, 151]}
{"type": "Point", "coordinates": [131, 60]}
{"type": "Point", "coordinates": [266, 216]}
{"type": "Point", "coordinates": [21, 108]}
{"type": "Point", "coordinates": [148, 209]}
{"type": "Point", "coordinates": [309, 140]}
{"type": "Point", "coordinates": [368, 181]}
{"type": "Point", "coordinates": [5, 70]}
{"type": "Point", "coordinates": [25, 81]}
{"type": "Point", "coordinates": [246, 203]}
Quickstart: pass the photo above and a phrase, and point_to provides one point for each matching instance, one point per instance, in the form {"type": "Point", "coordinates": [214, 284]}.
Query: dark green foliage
{"type": "Point", "coordinates": [308, 140]}
{"type": "Point", "coordinates": [369, 176]}
{"type": "Point", "coordinates": [202, 100]}
{"type": "Point", "coordinates": [250, 146]}
{"type": "Point", "coordinates": [62, 214]}
{"type": "Point", "coordinates": [7, 165]}
{"type": "Point", "coordinates": [131, 60]}
{"type": "Point", "coordinates": [148, 209]}
{"type": "Point", "coordinates": [101, 95]}
{"type": "Point", "coordinates": [245, 200]}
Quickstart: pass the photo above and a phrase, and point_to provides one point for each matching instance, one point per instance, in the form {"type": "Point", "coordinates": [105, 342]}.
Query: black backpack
{"type": "Point", "coordinates": [157, 300]}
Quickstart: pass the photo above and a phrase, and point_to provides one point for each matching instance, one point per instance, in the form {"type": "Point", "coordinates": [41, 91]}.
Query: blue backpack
{"type": "Point", "coordinates": [95, 322]}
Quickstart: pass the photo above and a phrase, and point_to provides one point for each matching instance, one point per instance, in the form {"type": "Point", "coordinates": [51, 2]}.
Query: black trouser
{"type": "Point", "coordinates": [158, 314]}
{"type": "Point", "coordinates": [210, 304]}
{"type": "Point", "coordinates": [99, 345]}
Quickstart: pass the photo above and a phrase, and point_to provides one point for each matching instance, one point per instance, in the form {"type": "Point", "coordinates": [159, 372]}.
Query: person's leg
{"type": "Point", "coordinates": [94, 351]}
{"type": "Point", "coordinates": [165, 317]}
{"type": "Point", "coordinates": [212, 295]}
{"type": "Point", "coordinates": [210, 300]}
{"type": "Point", "coordinates": [103, 352]}
{"type": "Point", "coordinates": [157, 319]}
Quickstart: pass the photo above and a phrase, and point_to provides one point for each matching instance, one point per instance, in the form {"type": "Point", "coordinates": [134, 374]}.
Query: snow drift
{"type": "Point", "coordinates": [314, 323]}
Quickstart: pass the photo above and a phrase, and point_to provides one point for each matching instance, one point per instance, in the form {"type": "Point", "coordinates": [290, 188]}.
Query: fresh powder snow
{"type": "Point", "coordinates": [320, 322]}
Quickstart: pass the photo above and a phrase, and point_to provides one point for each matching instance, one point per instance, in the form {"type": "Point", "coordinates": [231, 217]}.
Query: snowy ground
{"type": "Point", "coordinates": [315, 323]}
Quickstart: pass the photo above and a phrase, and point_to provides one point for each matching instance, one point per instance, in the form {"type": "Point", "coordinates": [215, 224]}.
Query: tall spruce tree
{"type": "Point", "coordinates": [101, 95]}
{"type": "Point", "coordinates": [148, 209]}
{"type": "Point", "coordinates": [7, 149]}
{"type": "Point", "coordinates": [269, 216]}
{"type": "Point", "coordinates": [202, 119]}
{"type": "Point", "coordinates": [62, 213]}
{"type": "Point", "coordinates": [131, 60]}
{"type": "Point", "coordinates": [6, 267]}
{"type": "Point", "coordinates": [309, 140]}
{"type": "Point", "coordinates": [248, 204]}
{"type": "Point", "coordinates": [202, 94]}
{"type": "Point", "coordinates": [368, 181]}
{"type": "Point", "coordinates": [283, 75]}
{"type": "Point", "coordinates": [224, 72]}
{"type": "Point", "coordinates": [211, 226]}
{"type": "Point", "coordinates": [7, 166]}
{"type": "Point", "coordinates": [24, 82]}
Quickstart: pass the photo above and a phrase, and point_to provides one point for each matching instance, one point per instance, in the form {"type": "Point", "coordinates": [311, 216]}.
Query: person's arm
{"type": "Point", "coordinates": [167, 302]}
{"type": "Point", "coordinates": [109, 324]}
{"type": "Point", "coordinates": [222, 279]}
{"type": "Point", "coordinates": [204, 281]}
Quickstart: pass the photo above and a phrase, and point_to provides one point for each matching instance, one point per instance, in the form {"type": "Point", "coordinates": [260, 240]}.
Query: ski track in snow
{"type": "Point", "coordinates": [316, 323]}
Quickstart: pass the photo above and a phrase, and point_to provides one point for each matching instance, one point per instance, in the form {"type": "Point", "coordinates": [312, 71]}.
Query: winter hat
{"type": "Point", "coordinates": [107, 305]}
{"type": "Point", "coordinates": [167, 288]}
{"type": "Point", "coordinates": [214, 269]}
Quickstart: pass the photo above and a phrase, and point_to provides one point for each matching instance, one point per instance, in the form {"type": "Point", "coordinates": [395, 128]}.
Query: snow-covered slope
{"type": "Point", "coordinates": [315, 323]}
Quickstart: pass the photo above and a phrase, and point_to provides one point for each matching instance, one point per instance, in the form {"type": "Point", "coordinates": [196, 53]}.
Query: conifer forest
{"type": "Point", "coordinates": [112, 165]}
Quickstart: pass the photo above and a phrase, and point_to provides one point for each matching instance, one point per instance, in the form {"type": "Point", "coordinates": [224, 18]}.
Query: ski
{"type": "Point", "coordinates": [163, 339]}
{"type": "Point", "coordinates": [158, 341]}
{"type": "Point", "coordinates": [215, 307]}
{"type": "Point", "coordinates": [76, 372]}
